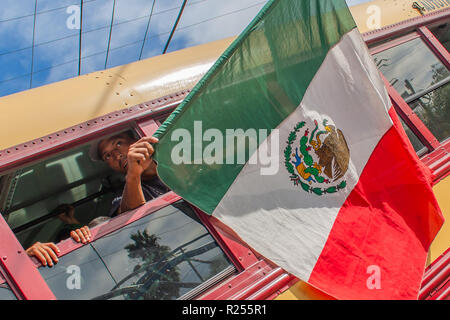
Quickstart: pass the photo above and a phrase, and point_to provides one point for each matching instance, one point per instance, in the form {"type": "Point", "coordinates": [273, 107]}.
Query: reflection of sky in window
{"type": "Point", "coordinates": [398, 62]}
{"type": "Point", "coordinates": [56, 47]}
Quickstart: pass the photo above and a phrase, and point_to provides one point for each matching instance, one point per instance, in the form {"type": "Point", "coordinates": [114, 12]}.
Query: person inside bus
{"type": "Point", "coordinates": [46, 253]}
{"type": "Point", "coordinates": [133, 158]}
{"type": "Point", "coordinates": [125, 154]}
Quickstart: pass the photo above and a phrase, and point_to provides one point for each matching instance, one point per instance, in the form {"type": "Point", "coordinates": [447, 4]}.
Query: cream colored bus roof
{"type": "Point", "coordinates": [44, 110]}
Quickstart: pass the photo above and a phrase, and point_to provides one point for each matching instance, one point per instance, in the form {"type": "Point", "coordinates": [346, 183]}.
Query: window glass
{"type": "Point", "coordinates": [162, 256]}
{"type": "Point", "coordinates": [421, 79]}
{"type": "Point", "coordinates": [32, 193]}
{"type": "Point", "coordinates": [434, 110]}
{"type": "Point", "coordinates": [80, 274]}
{"type": "Point", "coordinates": [411, 67]}
{"type": "Point", "coordinates": [442, 33]}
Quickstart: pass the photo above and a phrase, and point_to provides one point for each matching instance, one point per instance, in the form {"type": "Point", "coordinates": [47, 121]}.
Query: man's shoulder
{"type": "Point", "coordinates": [153, 187]}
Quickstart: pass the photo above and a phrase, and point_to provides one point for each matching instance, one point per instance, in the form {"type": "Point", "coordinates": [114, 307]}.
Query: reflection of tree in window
{"type": "Point", "coordinates": [440, 73]}
{"type": "Point", "coordinates": [147, 249]}
{"type": "Point", "coordinates": [433, 108]}
{"type": "Point", "coordinates": [158, 272]}
{"type": "Point", "coordinates": [167, 254]}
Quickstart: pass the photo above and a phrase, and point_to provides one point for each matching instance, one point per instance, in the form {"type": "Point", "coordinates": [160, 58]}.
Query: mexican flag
{"type": "Point", "coordinates": [291, 140]}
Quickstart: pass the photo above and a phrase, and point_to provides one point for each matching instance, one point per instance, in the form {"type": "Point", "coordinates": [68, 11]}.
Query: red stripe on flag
{"type": "Point", "coordinates": [378, 245]}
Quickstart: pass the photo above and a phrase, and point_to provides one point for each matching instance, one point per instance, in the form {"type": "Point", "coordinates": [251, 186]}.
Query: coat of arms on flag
{"type": "Point", "coordinates": [319, 159]}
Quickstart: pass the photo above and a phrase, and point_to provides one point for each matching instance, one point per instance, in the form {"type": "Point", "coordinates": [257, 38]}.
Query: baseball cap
{"type": "Point", "coordinates": [93, 149]}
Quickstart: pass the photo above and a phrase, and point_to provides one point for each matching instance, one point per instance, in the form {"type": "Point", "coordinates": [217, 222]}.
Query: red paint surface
{"type": "Point", "coordinates": [436, 281]}
{"type": "Point", "coordinates": [24, 278]}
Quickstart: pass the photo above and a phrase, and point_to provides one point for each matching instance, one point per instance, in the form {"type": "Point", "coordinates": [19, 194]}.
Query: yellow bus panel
{"type": "Point", "coordinates": [377, 14]}
{"type": "Point", "coordinates": [442, 241]}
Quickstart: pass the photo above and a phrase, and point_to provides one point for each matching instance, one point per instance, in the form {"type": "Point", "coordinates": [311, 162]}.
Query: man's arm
{"type": "Point", "coordinates": [132, 196]}
{"type": "Point", "coordinates": [46, 253]}
{"type": "Point", "coordinates": [138, 161]}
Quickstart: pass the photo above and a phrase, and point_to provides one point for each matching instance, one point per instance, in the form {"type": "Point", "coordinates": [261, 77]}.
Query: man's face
{"type": "Point", "coordinates": [114, 151]}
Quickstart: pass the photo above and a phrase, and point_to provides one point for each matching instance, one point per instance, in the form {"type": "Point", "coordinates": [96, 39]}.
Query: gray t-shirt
{"type": "Point", "coordinates": [151, 188]}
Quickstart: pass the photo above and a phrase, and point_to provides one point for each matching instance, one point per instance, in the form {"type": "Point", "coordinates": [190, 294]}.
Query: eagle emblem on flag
{"type": "Point", "coordinates": [317, 158]}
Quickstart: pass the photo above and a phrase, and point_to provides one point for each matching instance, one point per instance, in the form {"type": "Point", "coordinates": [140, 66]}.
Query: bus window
{"type": "Point", "coordinates": [165, 255]}
{"type": "Point", "coordinates": [442, 33]}
{"type": "Point", "coordinates": [80, 274]}
{"type": "Point", "coordinates": [423, 82]}
{"type": "Point", "coordinates": [31, 194]}
{"type": "Point", "coordinates": [411, 68]}
{"type": "Point", "coordinates": [434, 110]}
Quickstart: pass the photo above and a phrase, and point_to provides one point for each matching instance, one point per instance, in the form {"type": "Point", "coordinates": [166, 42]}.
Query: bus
{"type": "Point", "coordinates": [168, 249]}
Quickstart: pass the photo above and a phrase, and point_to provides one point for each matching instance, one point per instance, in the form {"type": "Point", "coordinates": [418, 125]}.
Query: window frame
{"type": "Point", "coordinates": [436, 157]}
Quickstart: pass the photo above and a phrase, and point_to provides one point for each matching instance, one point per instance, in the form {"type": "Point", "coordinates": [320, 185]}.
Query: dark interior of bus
{"type": "Point", "coordinates": [30, 195]}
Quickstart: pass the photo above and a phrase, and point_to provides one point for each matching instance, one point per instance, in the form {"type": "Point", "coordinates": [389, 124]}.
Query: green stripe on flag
{"type": "Point", "coordinates": [256, 83]}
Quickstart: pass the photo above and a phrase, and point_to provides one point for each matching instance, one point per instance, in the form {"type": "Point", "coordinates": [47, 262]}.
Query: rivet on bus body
{"type": "Point", "coordinates": [5, 257]}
